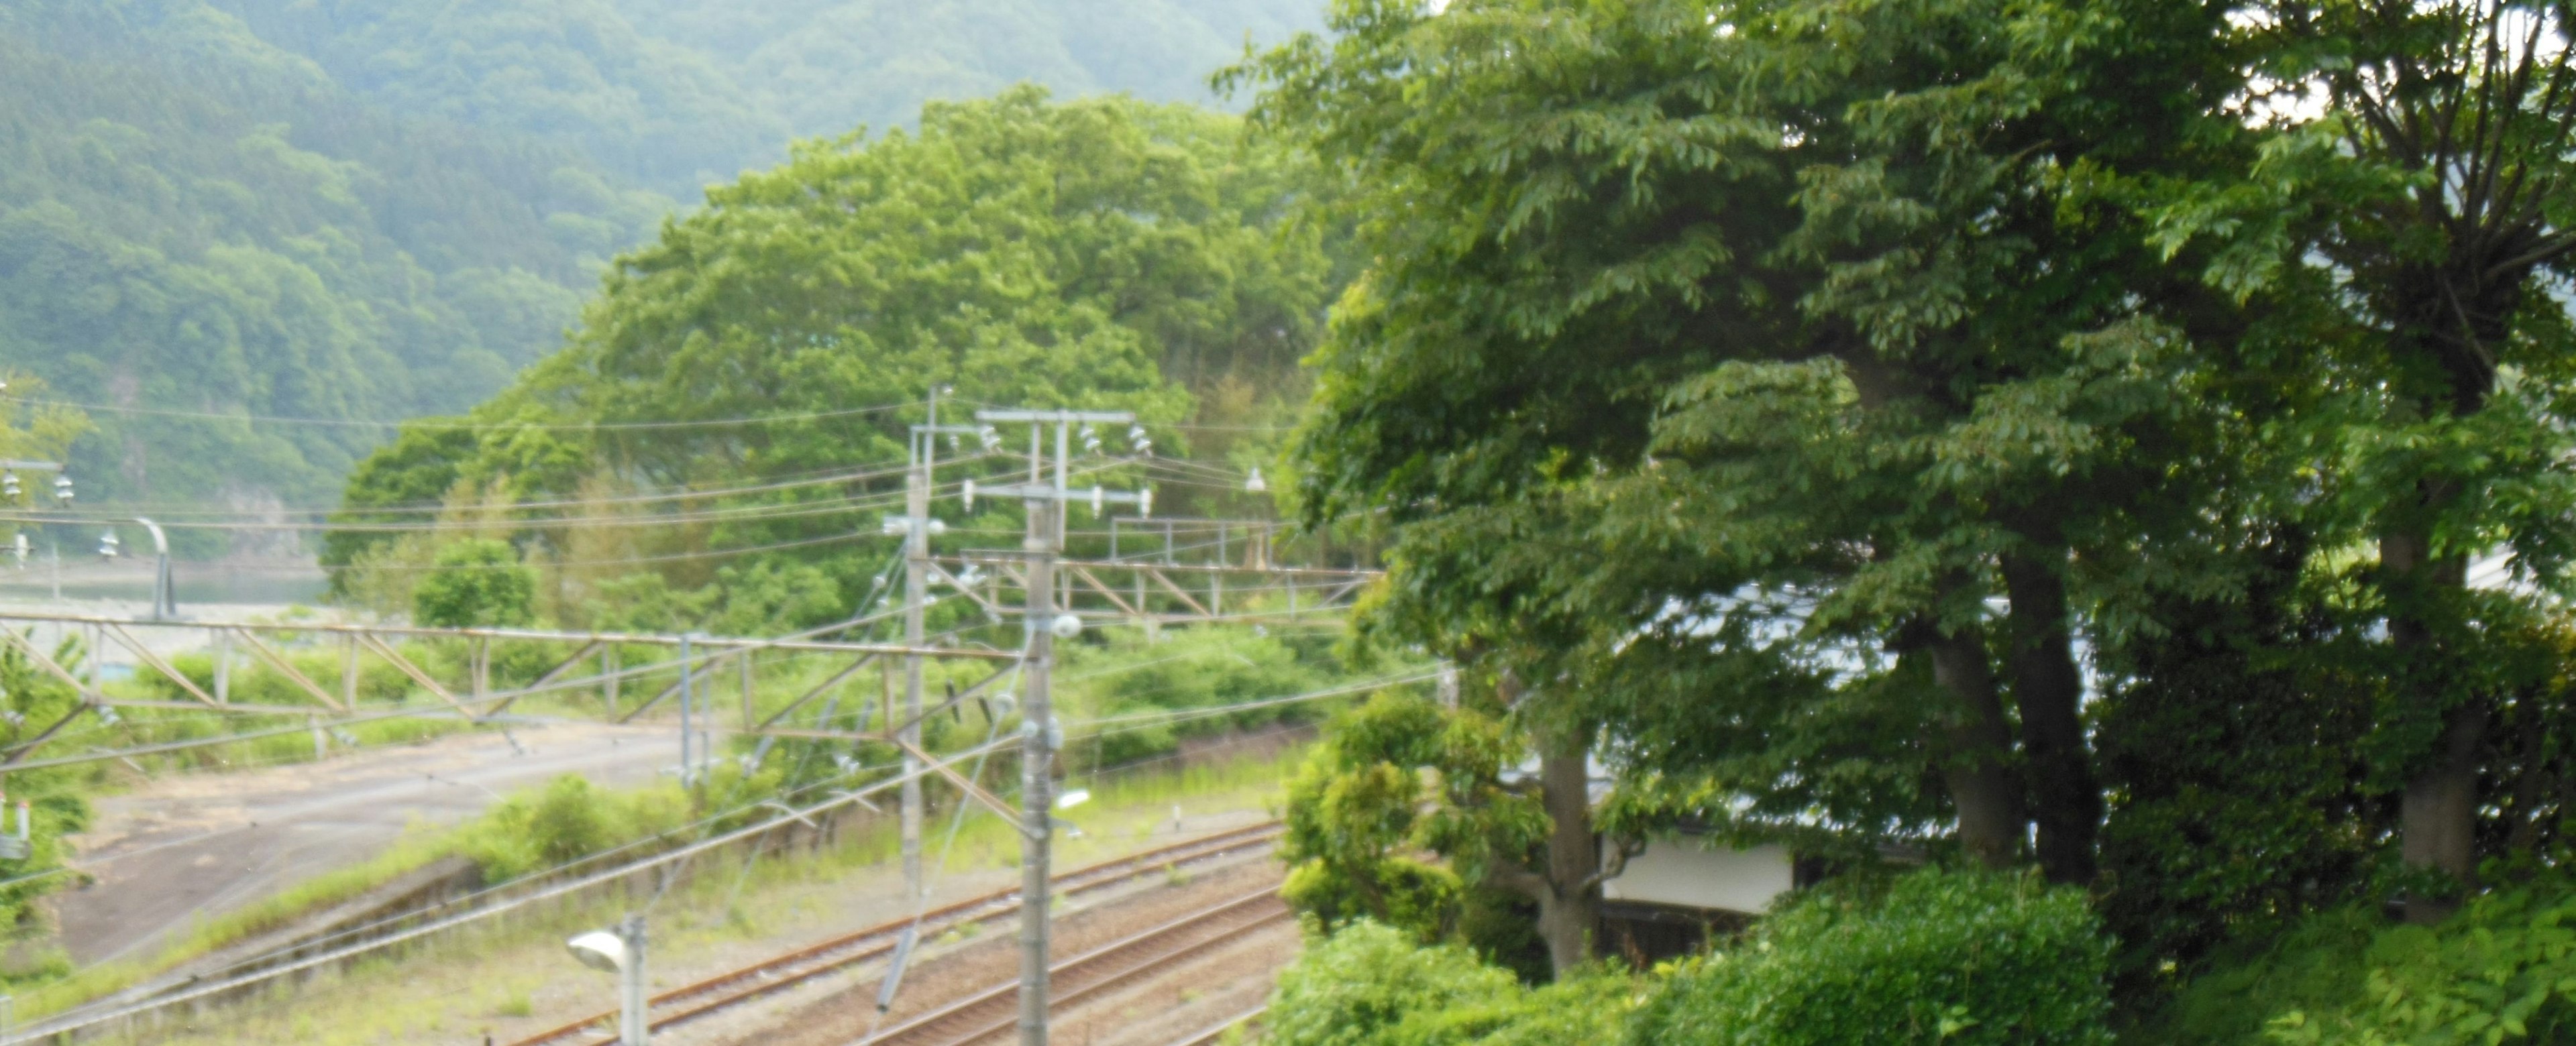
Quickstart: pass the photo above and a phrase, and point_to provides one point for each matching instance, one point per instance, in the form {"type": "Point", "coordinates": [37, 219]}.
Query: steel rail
{"type": "Point", "coordinates": [1109, 966]}
{"type": "Point", "coordinates": [781, 972]}
{"type": "Point", "coordinates": [1209, 1036]}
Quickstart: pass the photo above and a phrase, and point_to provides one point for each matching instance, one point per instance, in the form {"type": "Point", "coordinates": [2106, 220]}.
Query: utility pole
{"type": "Point", "coordinates": [917, 528]}
{"type": "Point", "coordinates": [685, 700]}
{"type": "Point", "coordinates": [1040, 733]}
{"type": "Point", "coordinates": [916, 582]}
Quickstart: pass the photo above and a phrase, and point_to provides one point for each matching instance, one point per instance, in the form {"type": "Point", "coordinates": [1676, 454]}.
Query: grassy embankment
{"type": "Point", "coordinates": [501, 975]}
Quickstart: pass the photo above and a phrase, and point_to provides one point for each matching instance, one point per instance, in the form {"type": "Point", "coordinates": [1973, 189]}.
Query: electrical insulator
{"type": "Point", "coordinates": [63, 488]}
{"type": "Point", "coordinates": [107, 545]}
{"type": "Point", "coordinates": [9, 485]}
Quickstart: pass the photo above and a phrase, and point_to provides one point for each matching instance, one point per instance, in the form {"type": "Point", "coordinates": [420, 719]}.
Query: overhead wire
{"type": "Point", "coordinates": [476, 426]}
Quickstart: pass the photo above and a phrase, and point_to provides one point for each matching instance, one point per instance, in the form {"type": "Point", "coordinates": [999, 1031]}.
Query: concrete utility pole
{"type": "Point", "coordinates": [916, 585]}
{"type": "Point", "coordinates": [620, 951]}
{"type": "Point", "coordinates": [1045, 501]}
{"type": "Point", "coordinates": [687, 672]}
{"type": "Point", "coordinates": [917, 528]}
{"type": "Point", "coordinates": [1037, 756]}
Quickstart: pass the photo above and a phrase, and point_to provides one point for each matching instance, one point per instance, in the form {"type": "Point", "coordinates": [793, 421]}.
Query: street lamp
{"type": "Point", "coordinates": [165, 595]}
{"type": "Point", "coordinates": [619, 951]}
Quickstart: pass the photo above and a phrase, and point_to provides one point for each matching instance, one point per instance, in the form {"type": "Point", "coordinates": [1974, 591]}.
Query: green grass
{"type": "Point", "coordinates": [452, 988]}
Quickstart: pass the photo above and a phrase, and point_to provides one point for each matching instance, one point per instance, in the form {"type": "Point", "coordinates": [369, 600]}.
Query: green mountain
{"type": "Point", "coordinates": [682, 93]}
{"type": "Point", "coordinates": [373, 210]}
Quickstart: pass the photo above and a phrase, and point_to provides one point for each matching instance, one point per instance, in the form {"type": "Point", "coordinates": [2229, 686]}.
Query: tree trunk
{"type": "Point", "coordinates": [2048, 690]}
{"type": "Point", "coordinates": [2438, 815]}
{"type": "Point", "coordinates": [1979, 744]}
{"type": "Point", "coordinates": [2532, 783]}
{"type": "Point", "coordinates": [1569, 905]}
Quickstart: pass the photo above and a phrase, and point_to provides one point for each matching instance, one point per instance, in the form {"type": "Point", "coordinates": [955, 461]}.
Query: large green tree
{"type": "Point", "coordinates": [1014, 250]}
{"type": "Point", "coordinates": [1772, 339]}
{"type": "Point", "coordinates": [2417, 183]}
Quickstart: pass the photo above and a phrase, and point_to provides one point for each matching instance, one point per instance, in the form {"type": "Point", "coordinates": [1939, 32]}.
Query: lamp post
{"type": "Point", "coordinates": [620, 951]}
{"type": "Point", "coordinates": [165, 598]}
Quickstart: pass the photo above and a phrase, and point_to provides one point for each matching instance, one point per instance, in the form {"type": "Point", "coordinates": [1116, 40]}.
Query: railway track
{"type": "Point", "coordinates": [778, 973]}
{"type": "Point", "coordinates": [995, 1010]}
{"type": "Point", "coordinates": [1216, 1033]}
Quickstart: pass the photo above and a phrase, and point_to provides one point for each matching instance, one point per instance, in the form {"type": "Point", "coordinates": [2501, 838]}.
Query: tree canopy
{"type": "Point", "coordinates": [362, 212]}
{"type": "Point", "coordinates": [1103, 253]}
{"type": "Point", "coordinates": [2025, 431]}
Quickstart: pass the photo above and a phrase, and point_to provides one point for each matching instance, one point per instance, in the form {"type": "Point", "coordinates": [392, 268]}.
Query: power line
{"type": "Point", "coordinates": [471, 426]}
{"type": "Point", "coordinates": [164, 510]}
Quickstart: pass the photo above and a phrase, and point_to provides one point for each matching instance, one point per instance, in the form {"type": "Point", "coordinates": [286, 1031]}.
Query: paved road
{"type": "Point", "coordinates": [198, 845]}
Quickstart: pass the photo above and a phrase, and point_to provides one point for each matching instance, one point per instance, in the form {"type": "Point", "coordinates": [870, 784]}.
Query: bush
{"type": "Point", "coordinates": [476, 583]}
{"type": "Point", "coordinates": [1943, 957]}
{"type": "Point", "coordinates": [1371, 985]}
{"type": "Point", "coordinates": [570, 818]}
{"type": "Point", "coordinates": [2503, 970]}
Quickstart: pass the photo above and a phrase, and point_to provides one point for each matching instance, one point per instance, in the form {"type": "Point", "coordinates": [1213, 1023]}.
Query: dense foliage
{"type": "Point", "coordinates": [1931, 957]}
{"type": "Point", "coordinates": [1014, 250]}
{"type": "Point", "coordinates": [363, 212]}
{"type": "Point", "coordinates": [232, 234]}
{"type": "Point", "coordinates": [2050, 434]}
{"type": "Point", "coordinates": [1372, 985]}
{"type": "Point", "coordinates": [676, 94]}
{"type": "Point", "coordinates": [1942, 957]}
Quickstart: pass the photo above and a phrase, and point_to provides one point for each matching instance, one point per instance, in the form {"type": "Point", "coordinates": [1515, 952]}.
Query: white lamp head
{"type": "Point", "coordinates": [599, 950]}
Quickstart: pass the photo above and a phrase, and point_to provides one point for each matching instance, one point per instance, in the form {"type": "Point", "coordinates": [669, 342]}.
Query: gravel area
{"type": "Point", "coordinates": [846, 1011]}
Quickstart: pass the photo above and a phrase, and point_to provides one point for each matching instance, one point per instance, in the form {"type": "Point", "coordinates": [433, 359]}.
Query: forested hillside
{"type": "Point", "coordinates": [192, 221]}
{"type": "Point", "coordinates": [1102, 253]}
{"type": "Point", "coordinates": [366, 212]}
{"type": "Point", "coordinates": [681, 93]}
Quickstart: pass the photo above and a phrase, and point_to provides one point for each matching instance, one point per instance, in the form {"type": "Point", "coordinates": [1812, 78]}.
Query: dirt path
{"type": "Point", "coordinates": [198, 845]}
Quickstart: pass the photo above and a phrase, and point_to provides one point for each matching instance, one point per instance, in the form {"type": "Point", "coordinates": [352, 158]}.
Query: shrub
{"type": "Point", "coordinates": [478, 582]}
{"type": "Point", "coordinates": [2503, 970]}
{"type": "Point", "coordinates": [1943, 957]}
{"type": "Point", "coordinates": [570, 818]}
{"type": "Point", "coordinates": [1371, 985]}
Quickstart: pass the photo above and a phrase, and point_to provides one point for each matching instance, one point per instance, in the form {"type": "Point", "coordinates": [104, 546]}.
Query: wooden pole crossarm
{"type": "Point", "coordinates": [418, 675]}
{"type": "Point", "coordinates": [817, 691]}
{"type": "Point", "coordinates": [954, 700]}
{"type": "Point", "coordinates": [127, 639]}
{"type": "Point", "coordinates": [1176, 590]}
{"type": "Point", "coordinates": [275, 660]}
{"type": "Point", "coordinates": [28, 747]}
{"type": "Point", "coordinates": [551, 675]}
{"type": "Point", "coordinates": [47, 663]}
{"type": "Point", "coordinates": [969, 787]}
{"type": "Point", "coordinates": [1087, 578]}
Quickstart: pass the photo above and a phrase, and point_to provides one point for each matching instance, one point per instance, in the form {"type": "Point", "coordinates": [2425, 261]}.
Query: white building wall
{"type": "Point", "coordinates": [1693, 872]}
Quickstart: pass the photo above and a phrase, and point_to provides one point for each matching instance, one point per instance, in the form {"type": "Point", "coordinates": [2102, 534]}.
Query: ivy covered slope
{"type": "Point", "coordinates": [1106, 253]}
{"type": "Point", "coordinates": [192, 220]}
